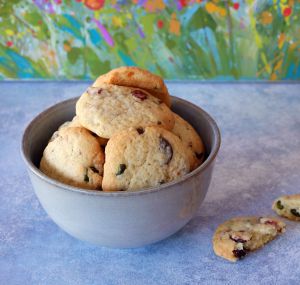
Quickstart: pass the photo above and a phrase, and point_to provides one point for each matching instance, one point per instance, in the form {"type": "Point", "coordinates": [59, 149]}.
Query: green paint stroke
{"type": "Point", "coordinates": [218, 40]}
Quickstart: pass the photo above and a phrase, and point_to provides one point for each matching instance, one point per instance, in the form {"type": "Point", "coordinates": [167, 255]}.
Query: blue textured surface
{"type": "Point", "coordinates": [259, 160]}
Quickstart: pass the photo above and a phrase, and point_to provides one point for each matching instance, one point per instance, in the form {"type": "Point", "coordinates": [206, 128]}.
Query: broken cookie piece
{"type": "Point", "coordinates": [288, 206]}
{"type": "Point", "coordinates": [237, 237]}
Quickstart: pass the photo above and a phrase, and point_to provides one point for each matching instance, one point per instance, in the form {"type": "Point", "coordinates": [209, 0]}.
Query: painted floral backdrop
{"type": "Point", "coordinates": [184, 39]}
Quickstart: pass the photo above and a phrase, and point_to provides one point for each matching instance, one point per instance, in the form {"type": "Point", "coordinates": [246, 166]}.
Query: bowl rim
{"type": "Point", "coordinates": [209, 160]}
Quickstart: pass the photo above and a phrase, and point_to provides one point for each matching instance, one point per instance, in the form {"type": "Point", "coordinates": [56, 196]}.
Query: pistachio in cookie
{"type": "Point", "coordinates": [143, 157]}
{"type": "Point", "coordinates": [73, 156]}
{"type": "Point", "coordinates": [288, 206]}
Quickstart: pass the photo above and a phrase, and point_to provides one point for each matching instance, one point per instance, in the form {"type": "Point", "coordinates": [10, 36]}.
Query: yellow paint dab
{"type": "Point", "coordinates": [52, 53]}
{"type": "Point", "coordinates": [222, 12]}
{"type": "Point", "coordinates": [281, 40]}
{"type": "Point", "coordinates": [160, 4]}
{"type": "Point", "coordinates": [211, 7]}
{"type": "Point", "coordinates": [278, 65]}
{"type": "Point", "coordinates": [273, 76]}
{"type": "Point", "coordinates": [9, 32]}
{"type": "Point", "coordinates": [264, 60]}
{"type": "Point", "coordinates": [117, 22]}
{"type": "Point", "coordinates": [292, 47]}
{"type": "Point", "coordinates": [266, 18]}
{"type": "Point", "coordinates": [174, 25]}
{"type": "Point", "coordinates": [67, 47]}
{"type": "Point", "coordinates": [154, 5]}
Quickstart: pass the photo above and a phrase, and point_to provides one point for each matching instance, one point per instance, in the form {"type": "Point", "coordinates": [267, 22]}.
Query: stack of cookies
{"type": "Point", "coordinates": [124, 136]}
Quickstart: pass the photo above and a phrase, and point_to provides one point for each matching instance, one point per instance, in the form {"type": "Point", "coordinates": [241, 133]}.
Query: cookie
{"type": "Point", "coordinates": [131, 76]}
{"type": "Point", "coordinates": [237, 237]}
{"type": "Point", "coordinates": [75, 123]}
{"type": "Point", "coordinates": [101, 141]}
{"type": "Point", "coordinates": [288, 206]}
{"type": "Point", "coordinates": [190, 139]}
{"type": "Point", "coordinates": [109, 109]}
{"type": "Point", "coordinates": [141, 158]}
{"type": "Point", "coordinates": [69, 124]}
{"type": "Point", "coordinates": [74, 157]}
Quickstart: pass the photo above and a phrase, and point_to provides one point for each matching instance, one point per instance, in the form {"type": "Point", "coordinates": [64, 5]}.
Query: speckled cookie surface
{"type": "Point", "coordinates": [69, 124]}
{"type": "Point", "coordinates": [131, 76]}
{"type": "Point", "coordinates": [191, 139]}
{"type": "Point", "coordinates": [109, 109]}
{"type": "Point", "coordinates": [141, 158]}
{"type": "Point", "coordinates": [288, 206]}
{"type": "Point", "coordinates": [238, 236]}
{"type": "Point", "coordinates": [74, 157]}
{"type": "Point", "coordinates": [75, 123]}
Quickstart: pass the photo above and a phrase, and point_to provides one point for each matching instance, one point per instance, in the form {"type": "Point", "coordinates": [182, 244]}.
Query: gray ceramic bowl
{"type": "Point", "coordinates": [120, 219]}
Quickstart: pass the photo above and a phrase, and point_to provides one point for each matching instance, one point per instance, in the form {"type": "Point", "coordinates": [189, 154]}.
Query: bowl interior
{"type": "Point", "coordinates": [40, 130]}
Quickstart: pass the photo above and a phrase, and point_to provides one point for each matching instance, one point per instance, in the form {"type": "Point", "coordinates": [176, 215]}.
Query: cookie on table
{"type": "Point", "coordinates": [131, 76]}
{"type": "Point", "coordinates": [141, 158]}
{"type": "Point", "coordinates": [191, 139]}
{"type": "Point", "coordinates": [288, 206]}
{"type": "Point", "coordinates": [74, 157]}
{"type": "Point", "coordinates": [237, 237]}
{"type": "Point", "coordinates": [108, 109]}
{"type": "Point", "coordinates": [75, 123]}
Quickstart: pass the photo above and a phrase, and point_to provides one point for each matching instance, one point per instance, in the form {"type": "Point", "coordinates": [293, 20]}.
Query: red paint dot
{"type": "Point", "coordinates": [287, 11]}
{"type": "Point", "coordinates": [236, 6]}
{"type": "Point", "coordinates": [94, 4]}
{"type": "Point", "coordinates": [160, 24]}
{"type": "Point", "coordinates": [183, 3]}
{"type": "Point", "coordinates": [9, 43]}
